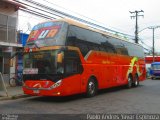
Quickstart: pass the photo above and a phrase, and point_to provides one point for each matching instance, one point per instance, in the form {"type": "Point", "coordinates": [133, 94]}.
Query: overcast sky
{"type": "Point", "coordinates": [112, 13]}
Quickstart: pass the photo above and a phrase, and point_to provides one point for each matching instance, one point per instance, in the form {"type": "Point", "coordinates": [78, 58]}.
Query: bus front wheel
{"type": "Point", "coordinates": [91, 88]}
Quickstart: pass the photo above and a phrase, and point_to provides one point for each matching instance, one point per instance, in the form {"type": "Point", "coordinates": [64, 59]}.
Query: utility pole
{"type": "Point", "coordinates": [136, 27]}
{"type": "Point", "coordinates": [153, 29]}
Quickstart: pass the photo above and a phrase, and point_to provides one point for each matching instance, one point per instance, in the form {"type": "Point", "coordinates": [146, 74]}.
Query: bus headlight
{"type": "Point", "coordinates": [58, 83]}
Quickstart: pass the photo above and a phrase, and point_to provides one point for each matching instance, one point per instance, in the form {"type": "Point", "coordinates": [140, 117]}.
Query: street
{"type": "Point", "coordinates": [143, 99]}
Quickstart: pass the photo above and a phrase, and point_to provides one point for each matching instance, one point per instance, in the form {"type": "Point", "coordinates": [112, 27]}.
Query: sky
{"type": "Point", "coordinates": [113, 14]}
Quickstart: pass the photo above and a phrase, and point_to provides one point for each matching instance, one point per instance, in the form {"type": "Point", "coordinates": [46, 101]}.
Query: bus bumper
{"type": "Point", "coordinates": [43, 92]}
{"type": "Point", "coordinates": [43, 88]}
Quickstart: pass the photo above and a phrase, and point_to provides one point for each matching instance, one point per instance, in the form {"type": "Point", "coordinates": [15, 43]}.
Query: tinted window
{"type": "Point", "coordinates": [72, 62]}
{"type": "Point", "coordinates": [134, 50]}
{"type": "Point", "coordinates": [44, 62]}
{"type": "Point", "coordinates": [87, 40]}
{"type": "Point", "coordinates": [156, 67]}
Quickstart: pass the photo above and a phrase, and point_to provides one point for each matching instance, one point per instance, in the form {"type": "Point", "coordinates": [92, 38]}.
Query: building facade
{"type": "Point", "coordinates": [149, 60]}
{"type": "Point", "coordinates": [8, 36]}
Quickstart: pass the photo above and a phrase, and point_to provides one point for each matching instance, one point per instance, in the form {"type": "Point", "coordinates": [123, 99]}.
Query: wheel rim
{"type": "Point", "coordinates": [136, 81]}
{"type": "Point", "coordinates": [129, 82]}
{"type": "Point", "coordinates": [91, 87]}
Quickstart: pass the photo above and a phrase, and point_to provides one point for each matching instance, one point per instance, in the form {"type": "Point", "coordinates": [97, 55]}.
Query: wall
{"type": "Point", "coordinates": [149, 59]}
{"type": "Point", "coordinates": [8, 9]}
{"type": "Point", "coordinates": [8, 23]}
{"type": "Point", "coordinates": [8, 37]}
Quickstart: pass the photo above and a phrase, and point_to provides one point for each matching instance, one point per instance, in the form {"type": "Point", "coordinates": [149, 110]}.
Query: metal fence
{"type": "Point", "coordinates": [8, 29]}
{"type": "Point", "coordinates": [2, 85]}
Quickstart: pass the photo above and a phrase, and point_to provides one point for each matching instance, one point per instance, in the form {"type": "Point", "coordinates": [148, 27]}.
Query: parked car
{"type": "Point", "coordinates": [155, 70]}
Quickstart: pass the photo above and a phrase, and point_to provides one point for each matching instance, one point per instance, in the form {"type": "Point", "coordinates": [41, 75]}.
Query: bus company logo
{"type": "Point", "coordinates": [38, 85]}
{"type": "Point", "coordinates": [47, 83]}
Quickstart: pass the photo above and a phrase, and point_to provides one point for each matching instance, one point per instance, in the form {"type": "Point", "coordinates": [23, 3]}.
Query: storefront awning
{"type": "Point", "coordinates": [10, 44]}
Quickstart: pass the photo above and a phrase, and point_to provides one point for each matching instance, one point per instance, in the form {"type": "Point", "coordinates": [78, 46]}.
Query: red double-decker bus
{"type": "Point", "coordinates": [64, 57]}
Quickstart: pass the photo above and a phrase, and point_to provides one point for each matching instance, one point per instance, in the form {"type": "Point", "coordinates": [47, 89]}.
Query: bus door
{"type": "Point", "coordinates": [119, 78]}
{"type": "Point", "coordinates": [107, 75]}
{"type": "Point", "coordinates": [73, 70]}
{"type": "Point", "coordinates": [107, 71]}
{"type": "Point", "coordinates": [118, 71]}
{"type": "Point", "coordinates": [115, 70]}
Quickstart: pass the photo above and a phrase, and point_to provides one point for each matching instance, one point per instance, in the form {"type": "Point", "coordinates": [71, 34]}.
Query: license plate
{"type": "Point", "coordinates": [36, 91]}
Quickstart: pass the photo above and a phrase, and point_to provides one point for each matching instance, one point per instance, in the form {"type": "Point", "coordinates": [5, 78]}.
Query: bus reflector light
{"type": "Point", "coordinates": [56, 93]}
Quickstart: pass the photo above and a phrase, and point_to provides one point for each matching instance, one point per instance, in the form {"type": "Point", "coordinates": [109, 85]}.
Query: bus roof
{"type": "Point", "coordinates": [73, 22]}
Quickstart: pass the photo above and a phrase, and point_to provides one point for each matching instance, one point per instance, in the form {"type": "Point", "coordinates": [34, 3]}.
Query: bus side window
{"type": "Point", "coordinates": [71, 66]}
{"type": "Point", "coordinates": [72, 62]}
{"type": "Point", "coordinates": [71, 40]}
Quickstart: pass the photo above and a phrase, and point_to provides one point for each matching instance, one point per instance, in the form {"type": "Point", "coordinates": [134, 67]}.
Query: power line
{"type": "Point", "coordinates": [146, 36]}
{"type": "Point", "coordinates": [45, 9]}
{"type": "Point", "coordinates": [37, 13]}
{"type": "Point", "coordinates": [76, 18]}
{"type": "Point", "coordinates": [145, 44]}
{"type": "Point", "coordinates": [116, 29]}
{"type": "Point", "coordinates": [31, 6]}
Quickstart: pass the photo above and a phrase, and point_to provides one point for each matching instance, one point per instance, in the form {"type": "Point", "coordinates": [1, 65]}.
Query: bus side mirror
{"type": "Point", "coordinates": [59, 57]}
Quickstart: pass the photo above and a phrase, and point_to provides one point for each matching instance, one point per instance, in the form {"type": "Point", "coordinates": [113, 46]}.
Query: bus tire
{"type": "Point", "coordinates": [91, 88]}
{"type": "Point", "coordinates": [136, 81]}
{"type": "Point", "coordinates": [130, 79]}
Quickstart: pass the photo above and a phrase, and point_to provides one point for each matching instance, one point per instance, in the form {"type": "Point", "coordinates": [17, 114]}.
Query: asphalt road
{"type": "Point", "coordinates": [143, 99]}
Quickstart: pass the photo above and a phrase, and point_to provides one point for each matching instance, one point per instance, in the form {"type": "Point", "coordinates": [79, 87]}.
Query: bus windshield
{"type": "Point", "coordinates": [42, 62]}
{"type": "Point", "coordinates": [156, 67]}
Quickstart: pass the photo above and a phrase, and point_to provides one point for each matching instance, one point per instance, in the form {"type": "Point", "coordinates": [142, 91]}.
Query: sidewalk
{"type": "Point", "coordinates": [13, 93]}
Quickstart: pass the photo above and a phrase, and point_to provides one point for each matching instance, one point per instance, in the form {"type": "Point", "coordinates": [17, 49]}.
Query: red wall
{"type": "Point", "coordinates": [149, 59]}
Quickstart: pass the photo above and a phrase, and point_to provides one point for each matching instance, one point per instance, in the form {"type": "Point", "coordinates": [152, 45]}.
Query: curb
{"type": "Point", "coordinates": [14, 97]}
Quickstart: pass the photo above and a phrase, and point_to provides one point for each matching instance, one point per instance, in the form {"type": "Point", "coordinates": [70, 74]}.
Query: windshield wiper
{"type": "Point", "coordinates": [36, 45]}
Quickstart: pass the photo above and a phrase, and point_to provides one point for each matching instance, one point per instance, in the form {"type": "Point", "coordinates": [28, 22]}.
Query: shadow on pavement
{"type": "Point", "coordinates": [57, 99]}
{"type": "Point", "coordinates": [78, 96]}
{"type": "Point", "coordinates": [115, 89]}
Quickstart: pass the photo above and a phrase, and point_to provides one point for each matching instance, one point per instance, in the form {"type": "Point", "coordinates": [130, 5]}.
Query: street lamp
{"type": "Point", "coordinates": [153, 30]}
